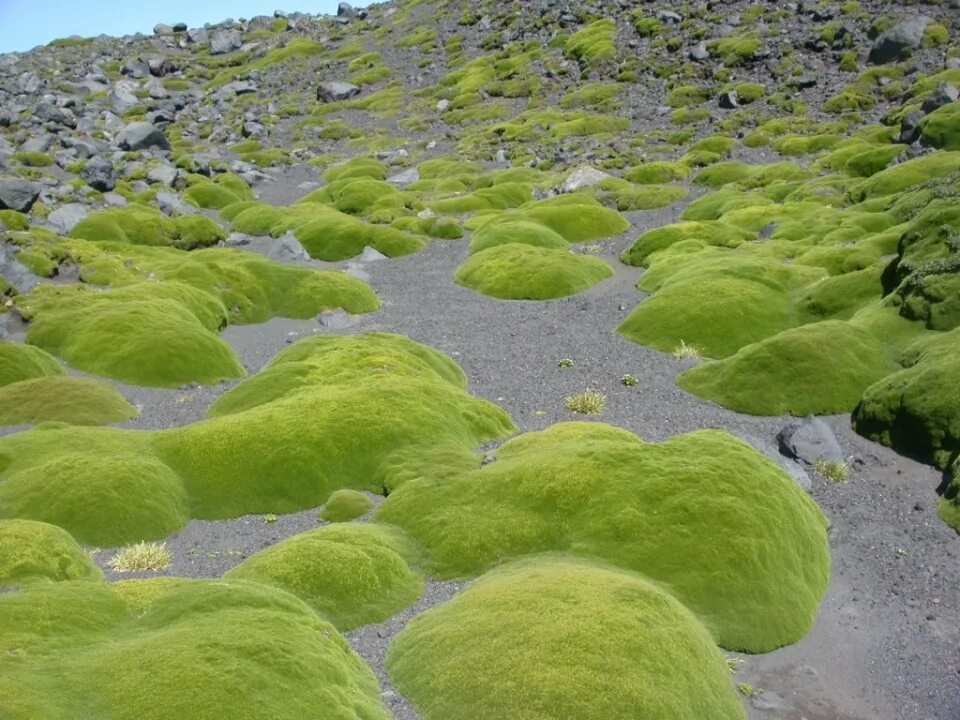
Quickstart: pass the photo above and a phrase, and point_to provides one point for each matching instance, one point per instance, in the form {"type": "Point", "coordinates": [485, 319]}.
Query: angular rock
{"type": "Point", "coordinates": [910, 128]}
{"type": "Point", "coordinates": [232, 89]}
{"type": "Point", "coordinates": [699, 53]}
{"type": "Point", "coordinates": [583, 177]}
{"type": "Point", "coordinates": [810, 441]}
{"type": "Point", "coordinates": [944, 94]}
{"type": "Point", "coordinates": [52, 113]}
{"type": "Point", "coordinates": [17, 194]}
{"type": "Point", "coordinates": [907, 35]}
{"type": "Point", "coordinates": [288, 249]}
{"type": "Point", "coordinates": [161, 67]}
{"type": "Point", "coordinates": [65, 217]}
{"type": "Point", "coordinates": [729, 100]}
{"type": "Point", "coordinates": [198, 35]}
{"type": "Point", "coordinates": [225, 41]}
{"type": "Point", "coordinates": [163, 174]}
{"type": "Point", "coordinates": [142, 135]}
{"type": "Point", "coordinates": [136, 69]}
{"type": "Point", "coordinates": [99, 174]}
{"type": "Point", "coordinates": [404, 177]}
{"type": "Point", "coordinates": [336, 91]}
{"type": "Point", "coordinates": [346, 10]}
{"type": "Point", "coordinates": [122, 97]}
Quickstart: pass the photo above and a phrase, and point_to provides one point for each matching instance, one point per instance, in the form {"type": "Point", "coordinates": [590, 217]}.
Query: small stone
{"type": "Point", "coordinates": [336, 91]}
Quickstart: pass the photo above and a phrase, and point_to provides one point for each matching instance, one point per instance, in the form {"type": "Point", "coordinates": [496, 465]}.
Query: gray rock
{"type": "Point", "coordinates": [30, 82]}
{"type": "Point", "coordinates": [163, 175]}
{"type": "Point", "coordinates": [669, 18]}
{"type": "Point", "coordinates": [404, 177]}
{"type": "Point", "coordinates": [114, 200]}
{"type": "Point", "coordinates": [336, 91]}
{"type": "Point", "coordinates": [224, 41]}
{"type": "Point", "coordinates": [232, 89]}
{"type": "Point", "coordinates": [794, 469]}
{"type": "Point", "coordinates": [237, 240]}
{"type": "Point", "coordinates": [810, 441]}
{"type": "Point", "coordinates": [162, 29]}
{"type": "Point", "coordinates": [443, 105]}
{"type": "Point", "coordinates": [172, 204]}
{"type": "Point", "coordinates": [335, 319]}
{"type": "Point", "coordinates": [768, 700]}
{"type": "Point", "coordinates": [346, 10]}
{"type": "Point", "coordinates": [161, 66]}
{"type": "Point", "coordinates": [944, 94]}
{"type": "Point", "coordinates": [907, 35]}
{"type": "Point", "coordinates": [952, 63]}
{"type": "Point", "coordinates": [65, 217]}
{"type": "Point", "coordinates": [18, 194]}
{"type": "Point", "coordinates": [198, 35]}
{"type": "Point", "coordinates": [157, 90]}
{"type": "Point", "coordinates": [583, 177]}
{"type": "Point", "coordinates": [136, 68]}
{"type": "Point", "coordinates": [142, 135]}
{"type": "Point", "coordinates": [288, 249]}
{"type": "Point", "coordinates": [122, 96]}
{"type": "Point", "coordinates": [52, 113]}
{"type": "Point", "coordinates": [370, 254]}
{"type": "Point", "coordinates": [729, 100]}
{"type": "Point", "coordinates": [910, 128]}
{"type": "Point", "coordinates": [99, 174]}
{"type": "Point", "coordinates": [699, 53]}
{"type": "Point", "coordinates": [37, 144]}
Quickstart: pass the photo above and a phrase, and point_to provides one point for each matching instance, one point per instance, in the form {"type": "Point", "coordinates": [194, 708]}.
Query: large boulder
{"type": "Point", "coordinates": [99, 174]}
{"type": "Point", "coordinates": [224, 41]}
{"type": "Point", "coordinates": [142, 135]}
{"type": "Point", "coordinates": [583, 177]}
{"type": "Point", "coordinates": [18, 194]}
{"type": "Point", "coordinates": [907, 35]}
{"type": "Point", "coordinates": [335, 91]}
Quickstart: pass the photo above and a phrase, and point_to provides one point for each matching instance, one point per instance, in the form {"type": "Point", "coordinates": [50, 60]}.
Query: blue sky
{"type": "Point", "coordinates": [24, 24]}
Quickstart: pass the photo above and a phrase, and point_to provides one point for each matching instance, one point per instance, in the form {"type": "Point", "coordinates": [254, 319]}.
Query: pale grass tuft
{"type": "Point", "coordinates": [140, 557]}
{"type": "Point", "coordinates": [687, 352]}
{"type": "Point", "coordinates": [833, 470]}
{"type": "Point", "coordinates": [589, 402]}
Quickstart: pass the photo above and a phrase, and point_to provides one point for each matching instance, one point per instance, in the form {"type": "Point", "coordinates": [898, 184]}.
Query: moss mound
{"type": "Point", "coordinates": [915, 410]}
{"type": "Point", "coordinates": [521, 232]}
{"type": "Point", "coordinates": [754, 570]}
{"type": "Point", "coordinates": [329, 413]}
{"type": "Point", "coordinates": [527, 272]}
{"type": "Point", "coordinates": [941, 128]}
{"type": "Point", "coordinates": [23, 362]}
{"type": "Point", "coordinates": [101, 499]}
{"type": "Point", "coordinates": [817, 369]}
{"type": "Point", "coordinates": [708, 232]}
{"type": "Point", "coordinates": [156, 342]}
{"type": "Point", "coordinates": [345, 505]}
{"type": "Point", "coordinates": [157, 649]}
{"type": "Point", "coordinates": [77, 401]}
{"type": "Point", "coordinates": [143, 225]}
{"type": "Point", "coordinates": [339, 237]}
{"type": "Point", "coordinates": [351, 574]}
{"type": "Point", "coordinates": [558, 637]}
{"type": "Point", "coordinates": [37, 552]}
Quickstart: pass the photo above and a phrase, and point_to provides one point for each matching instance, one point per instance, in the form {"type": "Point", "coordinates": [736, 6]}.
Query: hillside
{"type": "Point", "coordinates": [480, 360]}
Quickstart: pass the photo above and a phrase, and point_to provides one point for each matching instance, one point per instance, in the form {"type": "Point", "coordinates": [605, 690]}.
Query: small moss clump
{"type": "Point", "coordinates": [351, 574]}
{"type": "Point", "coordinates": [345, 505]}
{"type": "Point", "coordinates": [564, 638]}
{"type": "Point", "coordinates": [32, 552]}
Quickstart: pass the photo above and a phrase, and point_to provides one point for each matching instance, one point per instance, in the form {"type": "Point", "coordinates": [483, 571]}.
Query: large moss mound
{"type": "Point", "coordinates": [37, 552]}
{"type": "Point", "coordinates": [557, 637]}
{"type": "Point", "coordinates": [329, 413]}
{"type": "Point", "coordinates": [158, 649]}
{"type": "Point", "coordinates": [817, 369]}
{"type": "Point", "coordinates": [734, 537]}
{"type": "Point", "coordinates": [518, 271]}
{"type": "Point", "coordinates": [23, 362]}
{"type": "Point", "coordinates": [155, 342]}
{"type": "Point", "coordinates": [351, 574]}
{"type": "Point", "coordinates": [144, 225]}
{"type": "Point", "coordinates": [78, 401]}
{"type": "Point", "coordinates": [915, 410]}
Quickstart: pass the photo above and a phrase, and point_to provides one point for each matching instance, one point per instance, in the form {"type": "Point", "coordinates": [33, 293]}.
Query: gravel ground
{"type": "Point", "coordinates": [886, 645]}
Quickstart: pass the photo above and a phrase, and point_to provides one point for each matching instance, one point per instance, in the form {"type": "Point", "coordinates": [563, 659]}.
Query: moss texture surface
{"type": "Point", "coordinates": [78, 401]}
{"type": "Point", "coordinates": [36, 552]}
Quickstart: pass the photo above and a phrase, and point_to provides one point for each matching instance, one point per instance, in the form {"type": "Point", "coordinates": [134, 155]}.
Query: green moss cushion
{"type": "Point", "coordinates": [37, 552]}
{"type": "Point", "coordinates": [754, 569]}
{"type": "Point", "coordinates": [345, 505]}
{"type": "Point", "coordinates": [78, 401]}
{"type": "Point", "coordinates": [144, 225]}
{"type": "Point", "coordinates": [817, 369]}
{"type": "Point", "coordinates": [516, 231]}
{"type": "Point", "coordinates": [915, 410]}
{"type": "Point", "coordinates": [941, 128]}
{"type": "Point", "coordinates": [24, 362]}
{"type": "Point", "coordinates": [557, 637]}
{"type": "Point", "coordinates": [527, 272]}
{"type": "Point", "coordinates": [156, 649]}
{"type": "Point", "coordinates": [330, 413]}
{"type": "Point", "coordinates": [351, 574]}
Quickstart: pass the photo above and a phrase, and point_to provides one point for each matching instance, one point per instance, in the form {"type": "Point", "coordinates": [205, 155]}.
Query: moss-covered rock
{"type": "Point", "coordinates": [754, 570]}
{"type": "Point", "coordinates": [78, 401]}
{"type": "Point", "coordinates": [940, 128]}
{"type": "Point", "coordinates": [915, 410]}
{"type": "Point", "coordinates": [20, 362]}
{"type": "Point", "coordinates": [557, 637]}
{"type": "Point", "coordinates": [816, 369]}
{"type": "Point", "coordinates": [33, 551]}
{"type": "Point", "coordinates": [154, 649]}
{"type": "Point", "coordinates": [351, 574]}
{"type": "Point", "coordinates": [518, 271]}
